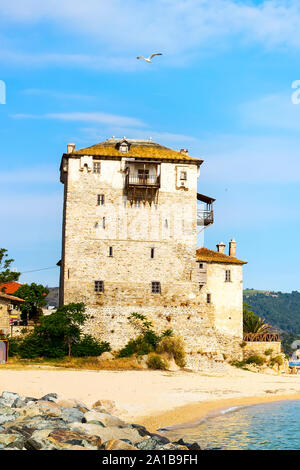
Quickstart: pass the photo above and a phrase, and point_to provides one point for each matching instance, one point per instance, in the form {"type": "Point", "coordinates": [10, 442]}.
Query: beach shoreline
{"type": "Point", "coordinates": [155, 399]}
{"type": "Point", "coordinates": [195, 413]}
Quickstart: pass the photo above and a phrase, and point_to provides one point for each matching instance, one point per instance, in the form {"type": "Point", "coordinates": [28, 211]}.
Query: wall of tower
{"type": "Point", "coordinates": [131, 230]}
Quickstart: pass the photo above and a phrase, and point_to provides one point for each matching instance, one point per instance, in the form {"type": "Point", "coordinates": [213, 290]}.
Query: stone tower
{"type": "Point", "coordinates": [129, 238]}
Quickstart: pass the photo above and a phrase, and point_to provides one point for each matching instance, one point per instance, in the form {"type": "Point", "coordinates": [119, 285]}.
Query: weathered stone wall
{"type": "Point", "coordinates": [169, 226]}
{"type": "Point", "coordinates": [259, 348]}
{"type": "Point", "coordinates": [4, 316]}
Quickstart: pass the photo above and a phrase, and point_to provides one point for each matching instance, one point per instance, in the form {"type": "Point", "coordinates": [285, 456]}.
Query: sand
{"type": "Point", "coordinates": [155, 398]}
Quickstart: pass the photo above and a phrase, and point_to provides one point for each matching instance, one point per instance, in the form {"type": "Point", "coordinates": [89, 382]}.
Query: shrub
{"type": "Point", "coordinates": [155, 361]}
{"type": "Point", "coordinates": [141, 345]}
{"type": "Point", "coordinates": [268, 352]}
{"type": "Point", "coordinates": [13, 346]}
{"type": "Point", "coordinates": [173, 345]}
{"type": "Point", "coordinates": [31, 346]}
{"type": "Point", "coordinates": [89, 346]}
{"type": "Point", "coordinates": [255, 359]}
{"type": "Point", "coordinates": [243, 344]}
{"type": "Point", "coordinates": [276, 360]}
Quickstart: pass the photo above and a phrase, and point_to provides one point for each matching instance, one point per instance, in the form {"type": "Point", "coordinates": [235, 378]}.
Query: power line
{"type": "Point", "coordinates": [36, 270]}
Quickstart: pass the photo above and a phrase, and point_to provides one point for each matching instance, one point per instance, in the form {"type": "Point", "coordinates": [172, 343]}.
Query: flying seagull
{"type": "Point", "coordinates": [148, 59]}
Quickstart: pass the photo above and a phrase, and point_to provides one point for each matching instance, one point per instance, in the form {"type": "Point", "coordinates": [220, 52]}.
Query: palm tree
{"type": "Point", "coordinates": [253, 323]}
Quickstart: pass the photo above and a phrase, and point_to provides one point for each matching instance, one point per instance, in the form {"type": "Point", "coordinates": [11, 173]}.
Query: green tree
{"type": "Point", "coordinates": [6, 275]}
{"type": "Point", "coordinates": [35, 298]}
{"type": "Point", "coordinates": [252, 323]}
{"type": "Point", "coordinates": [63, 326]}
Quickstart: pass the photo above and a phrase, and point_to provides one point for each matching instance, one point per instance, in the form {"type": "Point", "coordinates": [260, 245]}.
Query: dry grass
{"type": "Point", "coordinates": [77, 363]}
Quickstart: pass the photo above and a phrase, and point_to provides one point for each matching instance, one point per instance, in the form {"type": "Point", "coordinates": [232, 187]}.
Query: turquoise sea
{"type": "Point", "coordinates": [268, 426]}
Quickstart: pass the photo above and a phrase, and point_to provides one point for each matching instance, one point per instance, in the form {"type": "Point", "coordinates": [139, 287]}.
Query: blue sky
{"type": "Point", "coordinates": [222, 89]}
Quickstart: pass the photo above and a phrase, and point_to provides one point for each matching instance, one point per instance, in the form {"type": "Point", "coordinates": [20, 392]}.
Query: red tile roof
{"type": "Point", "coordinates": [11, 297]}
{"type": "Point", "coordinates": [10, 287]}
{"type": "Point", "coordinates": [204, 254]}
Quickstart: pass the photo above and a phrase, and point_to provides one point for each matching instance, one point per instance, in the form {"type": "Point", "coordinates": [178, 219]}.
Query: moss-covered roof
{"type": "Point", "coordinates": [204, 254]}
{"type": "Point", "coordinates": [137, 149]}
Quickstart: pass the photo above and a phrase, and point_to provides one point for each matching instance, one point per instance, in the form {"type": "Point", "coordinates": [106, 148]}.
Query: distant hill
{"type": "Point", "coordinates": [52, 297]}
{"type": "Point", "coordinates": [280, 309]}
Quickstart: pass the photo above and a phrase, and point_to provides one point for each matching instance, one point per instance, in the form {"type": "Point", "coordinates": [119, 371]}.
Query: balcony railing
{"type": "Point", "coordinates": [262, 337]}
{"type": "Point", "coordinates": [150, 181]}
{"type": "Point", "coordinates": [205, 217]}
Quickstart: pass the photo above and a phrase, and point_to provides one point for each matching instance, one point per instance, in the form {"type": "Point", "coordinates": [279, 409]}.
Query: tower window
{"type": "Point", "coordinates": [103, 222]}
{"type": "Point", "coordinates": [166, 223]}
{"type": "Point", "coordinates": [183, 175]}
{"type": "Point", "coordinates": [208, 298]}
{"type": "Point", "coordinates": [99, 286]}
{"type": "Point", "coordinates": [100, 199]}
{"type": "Point", "coordinates": [200, 286]}
{"type": "Point", "coordinates": [155, 287]}
{"type": "Point", "coordinates": [227, 275]}
{"type": "Point", "coordinates": [200, 265]}
{"type": "Point", "coordinates": [110, 251]}
{"type": "Point", "coordinates": [96, 167]}
{"type": "Point", "coordinates": [152, 253]}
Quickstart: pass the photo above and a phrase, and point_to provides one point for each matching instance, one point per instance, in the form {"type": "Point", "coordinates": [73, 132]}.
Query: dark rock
{"type": "Point", "coordinates": [153, 443]}
{"type": "Point", "coordinates": [9, 397]}
{"type": "Point", "coordinates": [20, 429]}
{"type": "Point", "coordinates": [18, 403]}
{"type": "Point", "coordinates": [140, 429]}
{"type": "Point", "coordinates": [28, 399]}
{"type": "Point", "coordinates": [49, 397]}
{"type": "Point", "coordinates": [32, 444]}
{"type": "Point", "coordinates": [72, 415]}
{"type": "Point", "coordinates": [193, 446]}
{"type": "Point", "coordinates": [18, 444]}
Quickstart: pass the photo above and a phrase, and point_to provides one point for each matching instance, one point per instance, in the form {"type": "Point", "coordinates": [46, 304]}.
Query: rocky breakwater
{"type": "Point", "coordinates": [55, 423]}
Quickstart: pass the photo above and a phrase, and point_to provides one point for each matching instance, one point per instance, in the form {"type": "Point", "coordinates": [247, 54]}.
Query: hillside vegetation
{"type": "Point", "coordinates": [281, 310]}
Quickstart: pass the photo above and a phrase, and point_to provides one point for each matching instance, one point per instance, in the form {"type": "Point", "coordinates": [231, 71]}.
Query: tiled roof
{"type": "Point", "coordinates": [11, 297]}
{"type": "Point", "coordinates": [10, 287]}
{"type": "Point", "coordinates": [204, 254]}
{"type": "Point", "coordinates": [137, 149]}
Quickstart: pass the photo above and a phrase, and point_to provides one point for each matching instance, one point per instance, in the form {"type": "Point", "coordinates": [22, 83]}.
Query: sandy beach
{"type": "Point", "coordinates": [155, 398]}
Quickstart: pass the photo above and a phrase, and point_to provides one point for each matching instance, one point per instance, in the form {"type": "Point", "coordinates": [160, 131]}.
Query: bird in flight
{"type": "Point", "coordinates": [148, 59]}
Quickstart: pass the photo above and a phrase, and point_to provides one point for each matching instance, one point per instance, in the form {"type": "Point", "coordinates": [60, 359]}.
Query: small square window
{"type": "Point", "coordinates": [200, 265]}
{"type": "Point", "coordinates": [110, 251]}
{"type": "Point", "coordinates": [103, 222]}
{"type": "Point", "coordinates": [208, 298]}
{"type": "Point", "coordinates": [100, 199]}
{"type": "Point", "coordinates": [152, 253]}
{"type": "Point", "coordinates": [183, 175]}
{"type": "Point", "coordinates": [200, 286]}
{"type": "Point", "coordinates": [99, 286]}
{"type": "Point", "coordinates": [96, 167]}
{"type": "Point", "coordinates": [227, 275]}
{"type": "Point", "coordinates": [155, 287]}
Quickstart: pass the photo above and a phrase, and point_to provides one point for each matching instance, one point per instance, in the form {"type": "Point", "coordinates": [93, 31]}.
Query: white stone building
{"type": "Point", "coordinates": [130, 245]}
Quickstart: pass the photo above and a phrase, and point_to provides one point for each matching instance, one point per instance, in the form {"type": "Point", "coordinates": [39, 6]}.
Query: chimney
{"type": "Point", "coordinates": [232, 248]}
{"type": "Point", "coordinates": [71, 148]}
{"type": "Point", "coordinates": [221, 247]}
{"type": "Point", "coordinates": [184, 151]}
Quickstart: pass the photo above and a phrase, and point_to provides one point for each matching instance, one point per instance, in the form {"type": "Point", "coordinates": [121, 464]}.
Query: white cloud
{"type": "Point", "coordinates": [272, 111]}
{"type": "Point", "coordinates": [175, 27]}
{"type": "Point", "coordinates": [103, 118]}
{"type": "Point", "coordinates": [242, 158]}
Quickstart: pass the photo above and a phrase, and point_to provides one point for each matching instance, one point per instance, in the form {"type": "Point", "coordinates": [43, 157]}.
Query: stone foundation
{"type": "Point", "coordinates": [259, 347]}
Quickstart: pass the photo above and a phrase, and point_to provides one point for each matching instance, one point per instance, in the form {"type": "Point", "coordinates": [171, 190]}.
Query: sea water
{"type": "Point", "coordinates": [268, 426]}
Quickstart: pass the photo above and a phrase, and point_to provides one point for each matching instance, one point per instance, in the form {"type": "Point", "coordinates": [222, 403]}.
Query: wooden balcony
{"type": "Point", "coordinates": [149, 181]}
{"type": "Point", "coordinates": [205, 217]}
